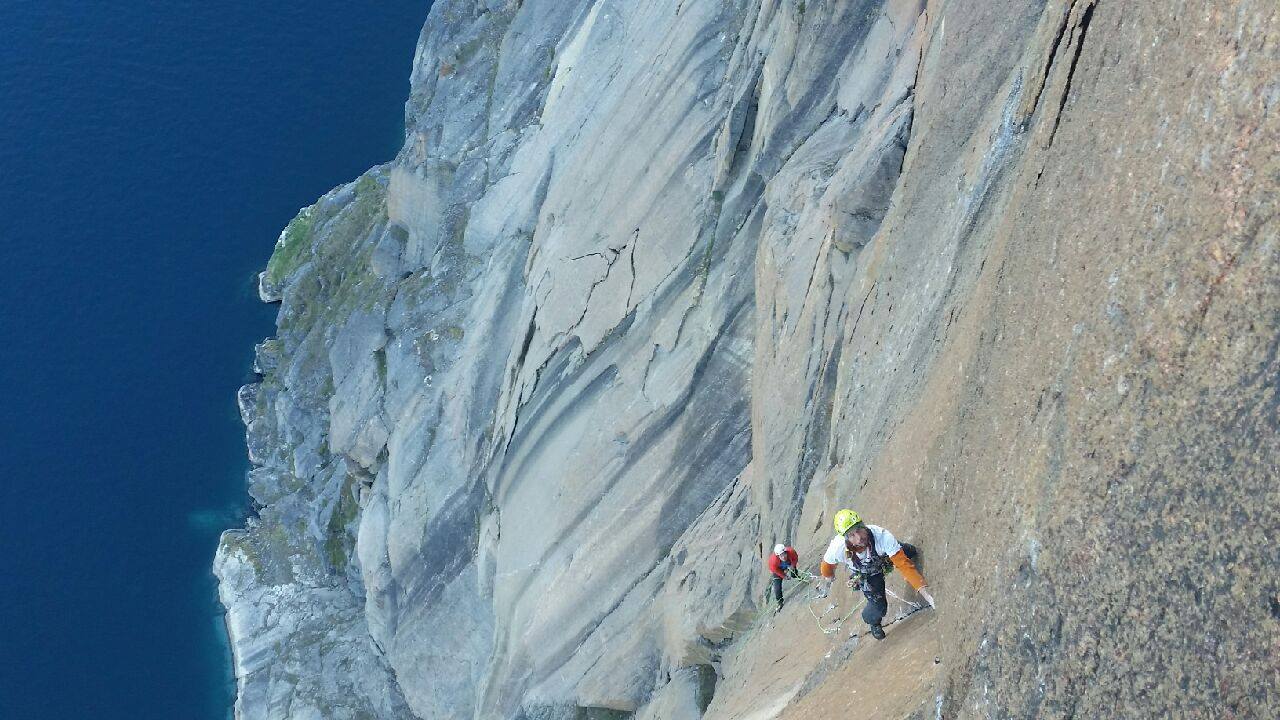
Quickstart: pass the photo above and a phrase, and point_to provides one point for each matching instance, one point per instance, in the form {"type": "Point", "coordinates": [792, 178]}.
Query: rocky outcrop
{"type": "Point", "coordinates": [652, 285]}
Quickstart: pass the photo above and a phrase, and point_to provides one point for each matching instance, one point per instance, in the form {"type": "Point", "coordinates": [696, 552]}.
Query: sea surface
{"type": "Point", "coordinates": [150, 152]}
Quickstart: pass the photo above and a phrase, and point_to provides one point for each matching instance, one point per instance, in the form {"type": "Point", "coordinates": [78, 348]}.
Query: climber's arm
{"type": "Point", "coordinates": [906, 567]}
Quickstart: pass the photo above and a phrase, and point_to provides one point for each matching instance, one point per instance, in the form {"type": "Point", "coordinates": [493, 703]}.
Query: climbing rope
{"type": "Point", "coordinates": [915, 609]}
{"type": "Point", "coordinates": [804, 578]}
{"type": "Point", "coordinates": [835, 627]}
{"type": "Point", "coordinates": [808, 579]}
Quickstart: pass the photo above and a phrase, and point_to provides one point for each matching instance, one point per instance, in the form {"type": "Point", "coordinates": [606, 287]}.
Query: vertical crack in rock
{"type": "Point", "coordinates": [1078, 33]}
{"type": "Point", "coordinates": [1039, 81]}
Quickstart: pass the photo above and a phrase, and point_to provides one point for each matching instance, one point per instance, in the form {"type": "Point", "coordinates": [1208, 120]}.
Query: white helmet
{"type": "Point", "coordinates": [779, 549]}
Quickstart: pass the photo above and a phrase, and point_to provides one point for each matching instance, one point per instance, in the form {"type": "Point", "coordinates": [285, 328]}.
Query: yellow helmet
{"type": "Point", "coordinates": [846, 519]}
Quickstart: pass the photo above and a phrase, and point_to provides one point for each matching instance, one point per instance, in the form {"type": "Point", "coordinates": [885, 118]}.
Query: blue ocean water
{"type": "Point", "coordinates": [149, 154]}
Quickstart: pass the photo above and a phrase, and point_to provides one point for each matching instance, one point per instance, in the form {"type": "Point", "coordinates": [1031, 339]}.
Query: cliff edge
{"type": "Point", "coordinates": [654, 285]}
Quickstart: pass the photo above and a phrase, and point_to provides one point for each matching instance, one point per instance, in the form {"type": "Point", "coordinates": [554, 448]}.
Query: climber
{"type": "Point", "coordinates": [869, 551]}
{"type": "Point", "coordinates": [782, 564]}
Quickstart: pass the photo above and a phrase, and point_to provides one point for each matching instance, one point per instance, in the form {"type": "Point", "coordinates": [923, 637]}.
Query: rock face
{"type": "Point", "coordinates": [654, 285]}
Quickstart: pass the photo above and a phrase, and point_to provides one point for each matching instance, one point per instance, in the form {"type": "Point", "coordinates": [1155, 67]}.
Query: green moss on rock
{"type": "Point", "coordinates": [240, 542]}
{"type": "Point", "coordinates": [292, 245]}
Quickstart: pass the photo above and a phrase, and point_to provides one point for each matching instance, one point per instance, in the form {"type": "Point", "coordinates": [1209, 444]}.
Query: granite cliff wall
{"type": "Point", "coordinates": [652, 285]}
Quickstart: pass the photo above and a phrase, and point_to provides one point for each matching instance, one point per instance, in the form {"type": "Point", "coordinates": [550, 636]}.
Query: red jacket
{"type": "Point", "coordinates": [775, 562]}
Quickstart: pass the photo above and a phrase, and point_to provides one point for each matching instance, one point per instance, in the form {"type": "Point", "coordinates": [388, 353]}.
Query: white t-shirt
{"type": "Point", "coordinates": [886, 545]}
